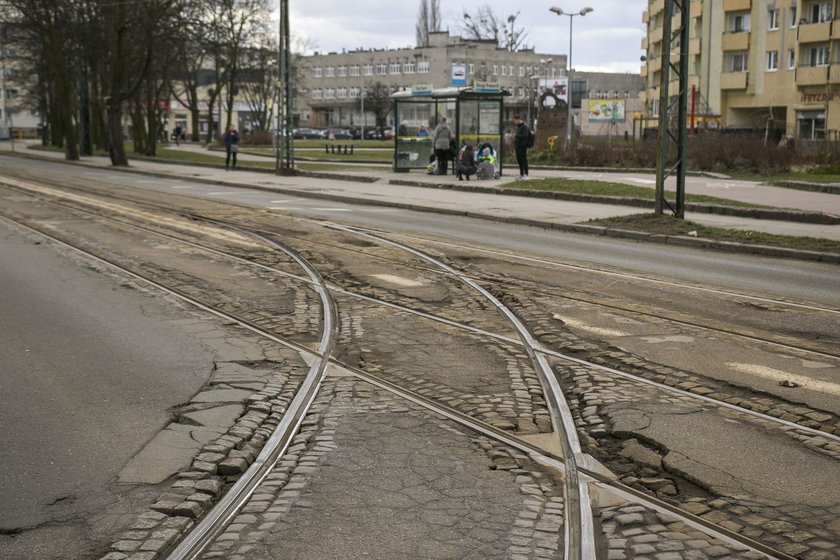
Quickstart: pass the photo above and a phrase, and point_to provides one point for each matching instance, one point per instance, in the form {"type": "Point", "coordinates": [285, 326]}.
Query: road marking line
{"type": "Point", "coordinates": [398, 280]}
{"type": "Point", "coordinates": [779, 375]}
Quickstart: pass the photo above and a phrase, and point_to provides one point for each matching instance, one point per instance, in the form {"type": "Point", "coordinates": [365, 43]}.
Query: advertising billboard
{"type": "Point", "coordinates": [606, 110]}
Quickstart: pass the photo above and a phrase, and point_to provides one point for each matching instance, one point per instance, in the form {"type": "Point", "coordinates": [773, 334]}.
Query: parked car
{"type": "Point", "coordinates": [337, 134]}
{"type": "Point", "coordinates": [389, 134]}
{"type": "Point", "coordinates": [373, 134]}
{"type": "Point", "coordinates": [306, 133]}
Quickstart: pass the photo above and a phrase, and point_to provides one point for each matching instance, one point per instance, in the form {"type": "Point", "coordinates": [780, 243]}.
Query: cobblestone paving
{"type": "Point", "coordinates": [471, 373]}
{"type": "Point", "coordinates": [634, 532]}
{"type": "Point", "coordinates": [801, 530]}
{"type": "Point", "coordinates": [371, 477]}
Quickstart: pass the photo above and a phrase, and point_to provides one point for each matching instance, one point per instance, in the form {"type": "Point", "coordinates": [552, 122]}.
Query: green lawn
{"type": "Point", "coordinates": [605, 188]}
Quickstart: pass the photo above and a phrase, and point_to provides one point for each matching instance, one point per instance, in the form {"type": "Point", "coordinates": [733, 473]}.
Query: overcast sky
{"type": "Point", "coordinates": [606, 40]}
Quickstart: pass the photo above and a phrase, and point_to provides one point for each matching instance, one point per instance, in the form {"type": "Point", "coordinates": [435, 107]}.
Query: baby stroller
{"type": "Point", "coordinates": [486, 158]}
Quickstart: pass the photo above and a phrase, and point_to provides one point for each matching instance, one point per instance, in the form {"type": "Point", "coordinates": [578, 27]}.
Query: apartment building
{"type": "Point", "coordinates": [331, 86]}
{"type": "Point", "coordinates": [763, 64]}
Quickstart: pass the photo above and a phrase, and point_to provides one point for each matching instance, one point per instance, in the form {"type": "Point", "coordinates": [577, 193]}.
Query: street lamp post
{"type": "Point", "coordinates": [560, 12]}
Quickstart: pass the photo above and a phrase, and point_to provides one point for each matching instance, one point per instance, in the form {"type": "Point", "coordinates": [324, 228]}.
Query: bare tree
{"type": "Point", "coordinates": [428, 21]}
{"type": "Point", "coordinates": [486, 25]}
{"type": "Point", "coordinates": [51, 28]}
{"type": "Point", "coordinates": [378, 101]}
{"type": "Point", "coordinates": [259, 77]}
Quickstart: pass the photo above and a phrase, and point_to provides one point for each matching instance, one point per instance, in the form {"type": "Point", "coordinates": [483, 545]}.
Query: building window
{"type": "Point", "coordinates": [510, 70]}
{"type": "Point", "coordinates": [329, 72]}
{"type": "Point", "coordinates": [408, 68]}
{"type": "Point", "coordinates": [495, 69]}
{"type": "Point", "coordinates": [472, 68]}
{"type": "Point", "coordinates": [739, 22]}
{"type": "Point", "coordinates": [342, 71]}
{"type": "Point", "coordinates": [354, 70]}
{"type": "Point", "coordinates": [329, 93]}
{"type": "Point", "coordinates": [772, 61]}
{"type": "Point", "coordinates": [423, 66]}
{"type": "Point", "coordinates": [381, 69]}
{"type": "Point", "coordinates": [791, 59]}
{"type": "Point", "coordinates": [316, 93]}
{"type": "Point", "coordinates": [504, 70]}
{"type": "Point", "coordinates": [792, 16]}
{"type": "Point", "coordinates": [395, 68]}
{"type": "Point", "coordinates": [354, 92]}
{"type": "Point", "coordinates": [737, 62]}
{"type": "Point", "coordinates": [654, 108]}
{"type": "Point", "coordinates": [820, 12]}
{"type": "Point", "coordinates": [521, 71]}
{"type": "Point", "coordinates": [341, 93]}
{"type": "Point", "coordinates": [818, 56]}
{"type": "Point", "coordinates": [772, 19]}
{"type": "Point", "coordinates": [317, 72]}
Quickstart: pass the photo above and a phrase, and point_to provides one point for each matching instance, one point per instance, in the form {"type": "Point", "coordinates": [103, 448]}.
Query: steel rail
{"type": "Point", "coordinates": [537, 453]}
{"type": "Point", "coordinates": [751, 338]}
{"type": "Point", "coordinates": [620, 275]}
{"type": "Point", "coordinates": [580, 531]}
{"type": "Point", "coordinates": [223, 513]}
{"type": "Point", "coordinates": [553, 353]}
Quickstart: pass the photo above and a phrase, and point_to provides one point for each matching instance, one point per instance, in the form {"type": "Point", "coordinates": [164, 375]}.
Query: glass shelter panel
{"type": "Point", "coordinates": [415, 126]}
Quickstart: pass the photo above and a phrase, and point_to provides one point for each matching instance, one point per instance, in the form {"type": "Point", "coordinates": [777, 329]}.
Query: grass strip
{"type": "Point", "coordinates": [605, 188]}
{"type": "Point", "coordinates": [670, 225]}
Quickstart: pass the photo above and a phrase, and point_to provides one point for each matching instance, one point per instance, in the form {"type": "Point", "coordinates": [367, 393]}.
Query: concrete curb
{"type": "Point", "coordinates": [741, 212]}
{"type": "Point", "coordinates": [700, 243]}
{"type": "Point", "coordinates": [831, 188]}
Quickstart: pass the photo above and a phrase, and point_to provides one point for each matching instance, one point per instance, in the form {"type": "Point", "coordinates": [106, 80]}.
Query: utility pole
{"type": "Point", "coordinates": [673, 134]}
{"type": "Point", "coordinates": [285, 151]}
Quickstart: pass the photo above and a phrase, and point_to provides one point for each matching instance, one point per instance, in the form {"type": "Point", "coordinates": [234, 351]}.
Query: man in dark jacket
{"type": "Point", "coordinates": [521, 135]}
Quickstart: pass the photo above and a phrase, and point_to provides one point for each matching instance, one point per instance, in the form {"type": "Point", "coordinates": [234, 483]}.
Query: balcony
{"type": "Point", "coordinates": [834, 74]}
{"type": "Point", "coordinates": [643, 71]}
{"type": "Point", "coordinates": [655, 36]}
{"type": "Point", "coordinates": [811, 75]}
{"type": "Point", "coordinates": [694, 46]}
{"type": "Point", "coordinates": [814, 32]}
{"type": "Point", "coordinates": [696, 9]}
{"type": "Point", "coordinates": [735, 41]}
{"type": "Point", "coordinates": [657, 6]}
{"type": "Point", "coordinates": [733, 80]}
{"type": "Point", "coordinates": [644, 43]}
{"type": "Point", "coordinates": [645, 17]}
{"type": "Point", "coordinates": [835, 31]}
{"type": "Point", "coordinates": [736, 5]}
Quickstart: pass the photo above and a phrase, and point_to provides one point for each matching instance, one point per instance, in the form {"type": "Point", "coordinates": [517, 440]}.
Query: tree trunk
{"type": "Point", "coordinates": [195, 118]}
{"type": "Point", "coordinates": [116, 149]}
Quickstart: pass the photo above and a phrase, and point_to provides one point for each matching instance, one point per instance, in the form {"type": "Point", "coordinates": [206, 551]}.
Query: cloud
{"type": "Point", "coordinates": [609, 37]}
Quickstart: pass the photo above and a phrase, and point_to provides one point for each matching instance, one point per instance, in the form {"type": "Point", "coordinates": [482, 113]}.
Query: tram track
{"type": "Point", "coordinates": [542, 349]}
{"type": "Point", "coordinates": [197, 539]}
{"type": "Point", "coordinates": [537, 348]}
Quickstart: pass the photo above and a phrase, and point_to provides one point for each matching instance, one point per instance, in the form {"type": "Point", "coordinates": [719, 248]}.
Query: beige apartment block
{"type": "Point", "coordinates": [771, 65]}
{"type": "Point", "coordinates": [331, 86]}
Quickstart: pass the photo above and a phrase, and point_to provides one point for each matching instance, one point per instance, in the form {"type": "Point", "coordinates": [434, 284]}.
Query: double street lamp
{"type": "Point", "coordinates": [560, 12]}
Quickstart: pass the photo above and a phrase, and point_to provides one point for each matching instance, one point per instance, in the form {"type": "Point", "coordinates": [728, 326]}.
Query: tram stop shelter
{"type": "Point", "coordinates": [474, 113]}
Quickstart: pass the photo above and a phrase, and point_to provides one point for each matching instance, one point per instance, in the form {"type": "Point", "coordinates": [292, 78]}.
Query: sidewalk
{"type": "Point", "coordinates": [377, 187]}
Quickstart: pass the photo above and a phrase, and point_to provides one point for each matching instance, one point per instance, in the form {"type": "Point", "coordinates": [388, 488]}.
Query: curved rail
{"type": "Point", "coordinates": [223, 513]}
{"type": "Point", "coordinates": [580, 531]}
{"type": "Point", "coordinates": [539, 454]}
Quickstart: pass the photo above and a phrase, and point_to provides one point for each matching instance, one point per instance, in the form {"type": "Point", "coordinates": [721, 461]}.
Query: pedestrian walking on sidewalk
{"type": "Point", "coordinates": [522, 141]}
{"type": "Point", "coordinates": [231, 140]}
{"type": "Point", "coordinates": [443, 148]}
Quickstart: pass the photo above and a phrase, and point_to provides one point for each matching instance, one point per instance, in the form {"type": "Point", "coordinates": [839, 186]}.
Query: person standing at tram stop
{"type": "Point", "coordinates": [231, 140]}
{"type": "Point", "coordinates": [521, 139]}
{"type": "Point", "coordinates": [442, 139]}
